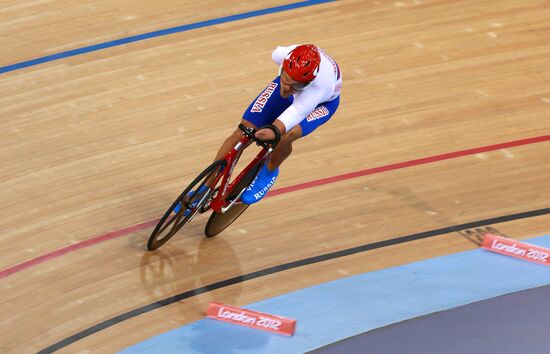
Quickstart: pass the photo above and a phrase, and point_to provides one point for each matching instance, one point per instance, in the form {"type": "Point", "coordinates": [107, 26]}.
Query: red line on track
{"type": "Point", "coordinates": [76, 246]}
{"type": "Point", "coordinates": [400, 165]}
{"type": "Point", "coordinates": [296, 187]}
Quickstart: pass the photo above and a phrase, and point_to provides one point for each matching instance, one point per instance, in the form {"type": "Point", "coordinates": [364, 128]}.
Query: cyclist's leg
{"type": "Point", "coordinates": [193, 197]}
{"type": "Point", "coordinates": [232, 139]}
{"type": "Point", "coordinates": [268, 174]}
{"type": "Point", "coordinates": [284, 147]}
{"type": "Point", "coordinates": [314, 120]}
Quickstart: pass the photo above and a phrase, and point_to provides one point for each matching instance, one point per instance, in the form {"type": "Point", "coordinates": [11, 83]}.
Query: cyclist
{"type": "Point", "coordinates": [304, 95]}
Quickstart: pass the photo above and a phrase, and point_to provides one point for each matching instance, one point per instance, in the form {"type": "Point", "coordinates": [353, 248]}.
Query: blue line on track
{"type": "Point", "coordinates": [164, 32]}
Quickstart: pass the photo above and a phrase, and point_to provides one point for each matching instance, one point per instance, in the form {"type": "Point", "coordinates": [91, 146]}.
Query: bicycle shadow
{"type": "Point", "coordinates": [171, 270]}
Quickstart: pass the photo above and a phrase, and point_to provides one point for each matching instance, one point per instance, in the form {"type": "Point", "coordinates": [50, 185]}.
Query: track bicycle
{"type": "Point", "coordinates": [214, 190]}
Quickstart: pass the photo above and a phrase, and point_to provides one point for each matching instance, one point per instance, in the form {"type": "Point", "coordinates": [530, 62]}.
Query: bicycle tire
{"type": "Point", "coordinates": [220, 221]}
{"type": "Point", "coordinates": [177, 220]}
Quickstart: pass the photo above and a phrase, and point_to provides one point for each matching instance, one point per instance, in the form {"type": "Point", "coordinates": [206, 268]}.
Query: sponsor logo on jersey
{"type": "Point", "coordinates": [259, 105]}
{"type": "Point", "coordinates": [317, 113]}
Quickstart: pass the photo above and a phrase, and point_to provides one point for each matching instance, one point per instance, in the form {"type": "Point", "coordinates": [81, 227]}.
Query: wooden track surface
{"type": "Point", "coordinates": [101, 141]}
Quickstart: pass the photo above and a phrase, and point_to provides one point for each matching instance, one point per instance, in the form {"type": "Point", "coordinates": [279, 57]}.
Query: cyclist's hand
{"type": "Point", "coordinates": [265, 134]}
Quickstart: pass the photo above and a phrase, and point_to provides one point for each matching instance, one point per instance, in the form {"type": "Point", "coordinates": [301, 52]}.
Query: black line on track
{"type": "Point", "coordinates": [280, 268]}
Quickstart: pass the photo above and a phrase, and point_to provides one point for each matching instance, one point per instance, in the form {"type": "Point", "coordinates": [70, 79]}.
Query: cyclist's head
{"type": "Point", "coordinates": [302, 63]}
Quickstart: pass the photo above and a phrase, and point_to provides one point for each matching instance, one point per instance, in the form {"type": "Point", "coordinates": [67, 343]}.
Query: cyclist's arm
{"type": "Point", "coordinates": [280, 53]}
{"type": "Point", "coordinates": [303, 105]}
{"type": "Point", "coordinates": [268, 134]}
{"type": "Point", "coordinates": [293, 115]}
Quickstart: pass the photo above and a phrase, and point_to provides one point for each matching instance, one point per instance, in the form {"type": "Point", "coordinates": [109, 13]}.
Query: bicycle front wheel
{"type": "Point", "coordinates": [220, 221]}
{"type": "Point", "coordinates": [193, 199]}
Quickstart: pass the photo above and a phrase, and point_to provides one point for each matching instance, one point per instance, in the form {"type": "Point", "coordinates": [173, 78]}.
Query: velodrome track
{"type": "Point", "coordinates": [108, 110]}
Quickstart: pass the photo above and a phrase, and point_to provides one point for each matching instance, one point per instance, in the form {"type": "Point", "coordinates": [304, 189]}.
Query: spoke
{"type": "Point", "coordinates": [178, 219]}
{"type": "Point", "coordinates": [191, 204]}
{"type": "Point", "coordinates": [168, 223]}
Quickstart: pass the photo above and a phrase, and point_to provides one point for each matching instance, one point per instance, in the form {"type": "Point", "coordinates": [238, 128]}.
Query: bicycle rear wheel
{"type": "Point", "coordinates": [220, 221]}
{"type": "Point", "coordinates": [191, 202]}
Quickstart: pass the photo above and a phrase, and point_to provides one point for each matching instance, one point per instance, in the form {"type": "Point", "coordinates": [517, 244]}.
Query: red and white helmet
{"type": "Point", "coordinates": [302, 63]}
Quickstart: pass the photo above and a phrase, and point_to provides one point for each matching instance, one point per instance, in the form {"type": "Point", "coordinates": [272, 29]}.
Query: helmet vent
{"type": "Point", "coordinates": [302, 63]}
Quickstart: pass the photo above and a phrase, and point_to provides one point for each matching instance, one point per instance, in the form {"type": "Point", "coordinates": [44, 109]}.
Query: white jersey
{"type": "Point", "coordinates": [325, 87]}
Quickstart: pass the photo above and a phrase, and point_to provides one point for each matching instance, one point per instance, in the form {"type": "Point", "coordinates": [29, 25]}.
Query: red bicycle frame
{"type": "Point", "coordinates": [219, 203]}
